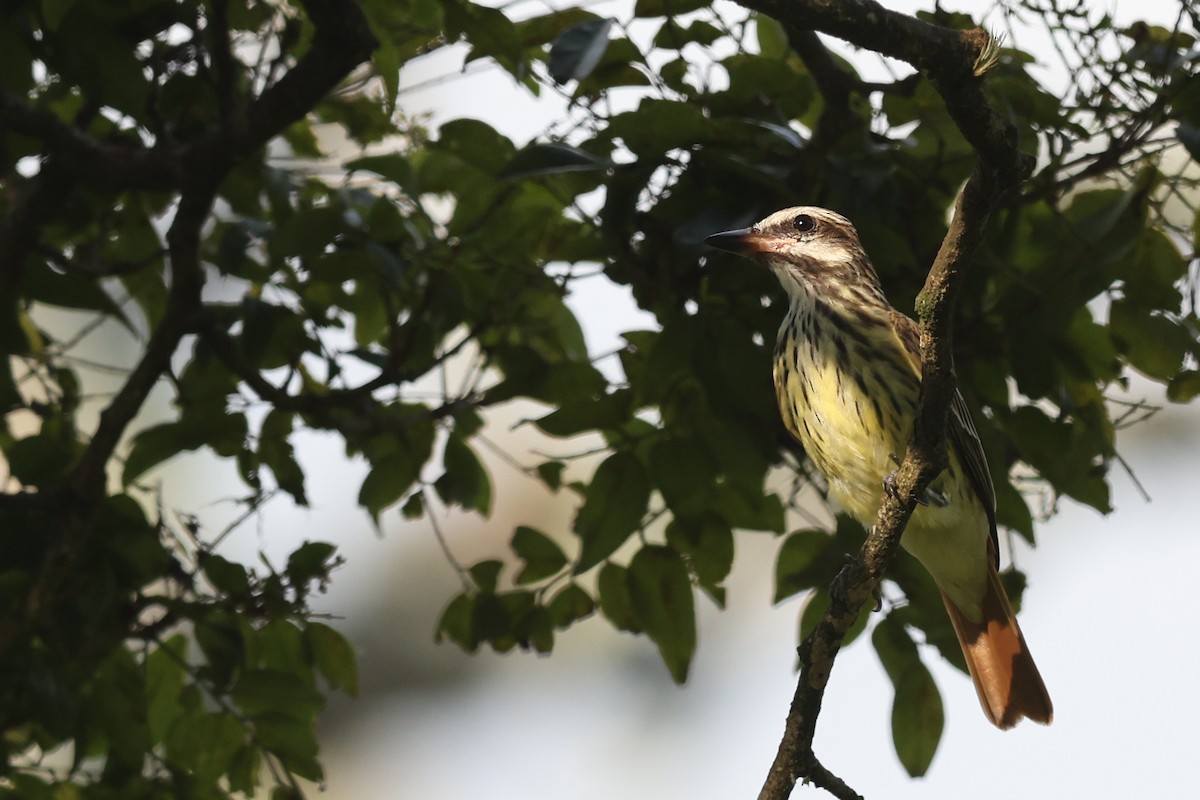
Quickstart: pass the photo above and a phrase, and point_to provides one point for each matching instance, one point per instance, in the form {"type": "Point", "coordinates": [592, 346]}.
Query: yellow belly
{"type": "Point", "coordinates": [853, 423]}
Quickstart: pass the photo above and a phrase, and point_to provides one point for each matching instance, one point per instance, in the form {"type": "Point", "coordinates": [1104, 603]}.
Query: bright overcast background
{"type": "Point", "coordinates": [1109, 615]}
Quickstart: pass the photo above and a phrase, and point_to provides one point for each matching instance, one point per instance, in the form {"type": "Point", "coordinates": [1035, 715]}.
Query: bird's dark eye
{"type": "Point", "coordinates": [803, 222]}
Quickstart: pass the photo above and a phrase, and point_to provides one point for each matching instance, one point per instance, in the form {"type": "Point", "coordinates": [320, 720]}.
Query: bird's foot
{"type": "Point", "coordinates": [930, 496]}
{"type": "Point", "coordinates": [889, 481]}
{"type": "Point", "coordinates": [839, 589]}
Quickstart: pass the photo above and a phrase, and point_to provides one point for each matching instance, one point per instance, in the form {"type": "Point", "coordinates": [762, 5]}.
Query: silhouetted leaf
{"type": "Point", "coordinates": [571, 603]}
{"type": "Point", "coordinates": [552, 158]}
{"type": "Point", "coordinates": [542, 556]}
{"type": "Point", "coordinates": [616, 502]}
{"type": "Point", "coordinates": [578, 49]}
{"type": "Point", "coordinates": [661, 596]}
{"type": "Point", "coordinates": [334, 656]}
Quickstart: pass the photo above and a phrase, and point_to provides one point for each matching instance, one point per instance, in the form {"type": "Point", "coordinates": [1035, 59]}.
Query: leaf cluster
{"type": "Point", "coordinates": [166, 172]}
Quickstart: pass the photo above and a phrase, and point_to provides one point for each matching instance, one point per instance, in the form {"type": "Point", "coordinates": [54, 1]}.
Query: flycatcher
{"type": "Point", "coordinates": [847, 374]}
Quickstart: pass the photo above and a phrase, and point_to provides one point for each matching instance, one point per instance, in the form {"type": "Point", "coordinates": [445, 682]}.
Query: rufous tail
{"type": "Point", "coordinates": [1005, 676]}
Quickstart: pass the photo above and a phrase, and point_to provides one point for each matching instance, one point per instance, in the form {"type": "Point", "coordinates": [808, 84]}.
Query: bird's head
{"type": "Point", "coordinates": [808, 248]}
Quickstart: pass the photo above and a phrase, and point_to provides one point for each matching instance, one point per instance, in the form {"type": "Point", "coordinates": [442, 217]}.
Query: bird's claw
{"type": "Point", "coordinates": [839, 589]}
{"type": "Point", "coordinates": [889, 481]}
{"type": "Point", "coordinates": [930, 496]}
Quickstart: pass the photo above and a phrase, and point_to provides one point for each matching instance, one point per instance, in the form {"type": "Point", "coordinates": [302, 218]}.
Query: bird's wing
{"type": "Point", "coordinates": [961, 430]}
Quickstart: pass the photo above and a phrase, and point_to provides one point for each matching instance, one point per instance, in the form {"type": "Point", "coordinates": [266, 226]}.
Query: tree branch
{"type": "Point", "coordinates": [342, 41]}
{"type": "Point", "coordinates": [182, 313]}
{"type": "Point", "coordinates": [953, 61]}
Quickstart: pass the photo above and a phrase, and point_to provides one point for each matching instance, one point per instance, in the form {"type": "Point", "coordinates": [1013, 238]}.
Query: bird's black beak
{"type": "Point", "coordinates": [744, 241]}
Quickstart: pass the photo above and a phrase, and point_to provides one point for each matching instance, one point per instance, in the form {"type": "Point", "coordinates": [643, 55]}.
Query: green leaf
{"type": "Point", "coordinates": [542, 556]}
{"type": "Point", "coordinates": [1189, 136]}
{"type": "Point", "coordinates": [278, 644]}
{"type": "Point", "coordinates": [616, 502]}
{"type": "Point", "coordinates": [658, 126]}
{"type": "Point", "coordinates": [802, 562]}
{"type": "Point", "coordinates": [685, 473]}
{"type": "Point", "coordinates": [553, 158]}
{"type": "Point", "coordinates": [276, 453]}
{"type": "Point", "coordinates": [207, 427]}
{"type": "Point", "coordinates": [334, 657]}
{"type": "Point", "coordinates": [414, 507]}
{"type": "Point", "coordinates": [607, 412]}
{"type": "Point", "coordinates": [457, 623]}
{"type": "Point", "coordinates": [1184, 387]}
{"type": "Point", "coordinates": [615, 600]}
{"type": "Point", "coordinates": [41, 459]}
{"type": "Point", "coordinates": [307, 232]}
{"type": "Point", "coordinates": [1151, 277]}
{"type": "Point", "coordinates": [917, 720]}
{"type": "Point", "coordinates": [465, 481]}
{"type": "Point", "coordinates": [44, 284]}
{"type": "Point", "coordinates": [227, 577]}
{"type": "Point", "coordinates": [165, 677]}
{"type": "Point", "coordinates": [707, 544]}
{"type": "Point", "coordinates": [663, 8]}
{"type": "Point", "coordinates": [292, 740]}
{"type": "Point", "coordinates": [486, 574]}
{"type": "Point", "coordinates": [578, 49]}
{"type": "Point", "coordinates": [1153, 343]}
{"type": "Point", "coordinates": [570, 604]}
{"type": "Point", "coordinates": [551, 473]}
{"type": "Point", "coordinates": [917, 715]}
{"type": "Point", "coordinates": [661, 593]}
{"type": "Point", "coordinates": [772, 38]}
{"type": "Point", "coordinates": [393, 166]}
{"type": "Point", "coordinates": [277, 692]}
{"type": "Point", "coordinates": [387, 482]}
{"type": "Point", "coordinates": [311, 561]}
{"type": "Point", "coordinates": [534, 630]}
{"type": "Point", "coordinates": [204, 743]}
{"type": "Point", "coordinates": [673, 36]}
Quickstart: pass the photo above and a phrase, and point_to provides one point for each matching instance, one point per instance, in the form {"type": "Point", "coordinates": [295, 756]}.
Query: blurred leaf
{"type": "Point", "coordinates": [917, 720]}
{"type": "Point", "coordinates": [542, 556]}
{"type": "Point", "coordinates": [1154, 344]}
{"type": "Point", "coordinates": [917, 717]}
{"type": "Point", "coordinates": [1189, 136]}
{"type": "Point", "coordinates": [578, 49]}
{"type": "Point", "coordinates": [393, 166]}
{"type": "Point", "coordinates": [207, 427]}
{"type": "Point", "coordinates": [465, 482]}
{"type": "Point", "coordinates": [602, 413]}
{"type": "Point", "coordinates": [457, 623]}
{"type": "Point", "coordinates": [277, 692]}
{"type": "Point", "coordinates": [661, 595]}
{"type": "Point", "coordinates": [486, 574]}
{"type": "Point", "coordinates": [395, 470]}
{"type": "Point", "coordinates": [311, 561]}
{"type": "Point", "coordinates": [616, 502]}
{"type": "Point", "coordinates": [276, 453]}
{"type": "Point", "coordinates": [799, 564]}
{"type": "Point", "coordinates": [1184, 387]}
{"type": "Point", "coordinates": [40, 460]}
{"type": "Point", "coordinates": [334, 656]}
{"type": "Point", "coordinates": [227, 577]}
{"type": "Point", "coordinates": [552, 158]}
{"type": "Point", "coordinates": [570, 604]}
{"type": "Point", "coordinates": [662, 8]}
{"type": "Point", "coordinates": [615, 599]}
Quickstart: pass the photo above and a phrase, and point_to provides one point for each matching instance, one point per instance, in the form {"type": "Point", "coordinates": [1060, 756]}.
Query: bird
{"type": "Point", "coordinates": [847, 374]}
